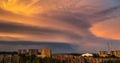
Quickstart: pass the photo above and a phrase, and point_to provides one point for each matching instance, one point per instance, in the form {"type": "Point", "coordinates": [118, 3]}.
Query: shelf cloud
{"type": "Point", "coordinates": [80, 23]}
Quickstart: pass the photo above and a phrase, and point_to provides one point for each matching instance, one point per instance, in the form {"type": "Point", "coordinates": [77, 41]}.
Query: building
{"type": "Point", "coordinates": [33, 52]}
{"type": "Point", "coordinates": [68, 58]}
{"type": "Point", "coordinates": [116, 53]}
{"type": "Point", "coordinates": [45, 52]}
{"type": "Point", "coordinates": [103, 53]}
{"type": "Point", "coordinates": [87, 55]}
{"type": "Point", "coordinates": [9, 57]}
{"type": "Point", "coordinates": [22, 51]}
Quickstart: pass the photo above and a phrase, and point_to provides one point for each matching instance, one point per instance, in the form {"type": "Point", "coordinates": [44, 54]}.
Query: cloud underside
{"type": "Point", "coordinates": [76, 22]}
{"type": "Point", "coordinates": [56, 47]}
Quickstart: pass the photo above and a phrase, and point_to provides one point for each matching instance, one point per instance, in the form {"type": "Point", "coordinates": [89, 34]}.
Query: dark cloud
{"type": "Point", "coordinates": [20, 28]}
{"type": "Point", "coordinates": [77, 20]}
{"type": "Point", "coordinates": [24, 29]}
{"type": "Point", "coordinates": [56, 47]}
{"type": "Point", "coordinates": [106, 14]}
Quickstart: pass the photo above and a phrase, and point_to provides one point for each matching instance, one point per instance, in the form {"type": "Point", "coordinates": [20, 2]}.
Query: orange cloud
{"type": "Point", "coordinates": [67, 20]}
{"type": "Point", "coordinates": [23, 7]}
{"type": "Point", "coordinates": [108, 29]}
{"type": "Point", "coordinates": [27, 37]}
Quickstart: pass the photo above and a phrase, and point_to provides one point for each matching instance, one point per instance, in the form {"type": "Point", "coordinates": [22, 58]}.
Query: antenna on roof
{"type": "Point", "coordinates": [109, 44]}
{"type": "Point", "coordinates": [108, 47]}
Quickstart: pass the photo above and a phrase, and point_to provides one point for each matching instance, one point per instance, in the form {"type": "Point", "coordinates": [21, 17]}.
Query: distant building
{"type": "Point", "coordinates": [33, 52]}
{"type": "Point", "coordinates": [9, 57]}
{"type": "Point", "coordinates": [22, 51]}
{"type": "Point", "coordinates": [87, 55]}
{"type": "Point", "coordinates": [116, 53]}
{"type": "Point", "coordinates": [103, 53]}
{"type": "Point", "coordinates": [112, 52]}
{"type": "Point", "coordinates": [45, 52]}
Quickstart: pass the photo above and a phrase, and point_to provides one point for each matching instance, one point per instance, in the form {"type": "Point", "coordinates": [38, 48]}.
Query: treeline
{"type": "Point", "coordinates": [8, 52]}
{"type": "Point", "coordinates": [34, 59]}
{"type": "Point", "coordinates": [112, 61]}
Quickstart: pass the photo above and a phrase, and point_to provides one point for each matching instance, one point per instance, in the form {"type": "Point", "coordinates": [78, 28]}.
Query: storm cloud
{"type": "Point", "coordinates": [73, 22]}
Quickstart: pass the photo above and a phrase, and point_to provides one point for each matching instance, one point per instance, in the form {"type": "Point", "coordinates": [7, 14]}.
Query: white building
{"type": "Point", "coordinates": [87, 55]}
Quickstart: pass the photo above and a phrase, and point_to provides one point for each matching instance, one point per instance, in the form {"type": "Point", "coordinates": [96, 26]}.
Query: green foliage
{"type": "Point", "coordinates": [34, 59]}
{"type": "Point", "coordinates": [22, 58]}
{"type": "Point", "coordinates": [112, 61]}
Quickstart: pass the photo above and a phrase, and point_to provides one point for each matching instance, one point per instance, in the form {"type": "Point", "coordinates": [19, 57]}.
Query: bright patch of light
{"type": "Point", "coordinates": [24, 7]}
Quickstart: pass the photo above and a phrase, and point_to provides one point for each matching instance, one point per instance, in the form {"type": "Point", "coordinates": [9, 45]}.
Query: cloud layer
{"type": "Point", "coordinates": [76, 22]}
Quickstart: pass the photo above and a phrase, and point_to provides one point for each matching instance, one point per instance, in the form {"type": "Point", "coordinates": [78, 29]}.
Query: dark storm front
{"type": "Point", "coordinates": [46, 56]}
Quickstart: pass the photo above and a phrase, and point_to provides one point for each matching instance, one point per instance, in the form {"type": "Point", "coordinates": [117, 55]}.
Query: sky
{"type": "Point", "coordinates": [65, 26]}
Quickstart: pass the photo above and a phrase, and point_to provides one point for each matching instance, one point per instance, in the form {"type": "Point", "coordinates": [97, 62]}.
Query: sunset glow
{"type": "Point", "coordinates": [83, 24]}
{"type": "Point", "coordinates": [22, 8]}
{"type": "Point", "coordinates": [107, 29]}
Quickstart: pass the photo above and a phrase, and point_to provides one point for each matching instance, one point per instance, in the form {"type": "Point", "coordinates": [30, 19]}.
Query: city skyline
{"type": "Point", "coordinates": [64, 26]}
